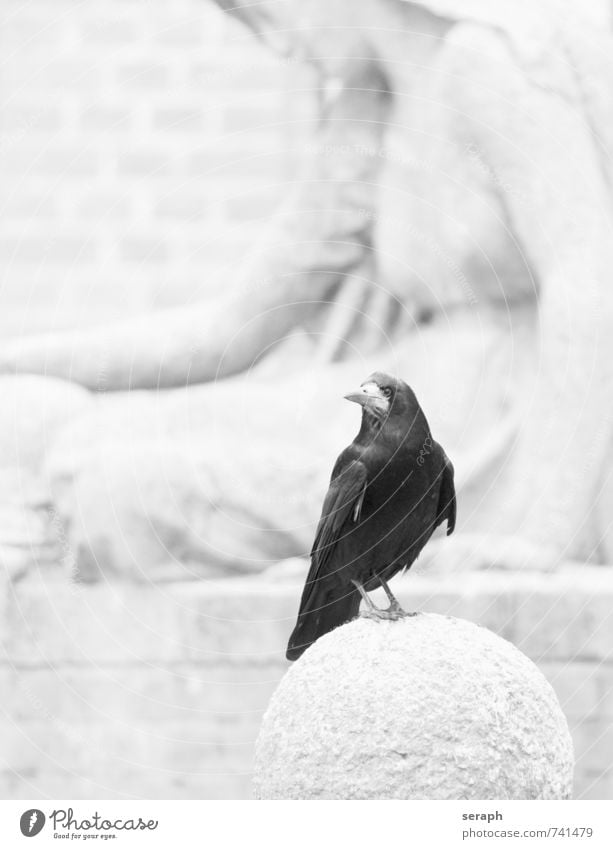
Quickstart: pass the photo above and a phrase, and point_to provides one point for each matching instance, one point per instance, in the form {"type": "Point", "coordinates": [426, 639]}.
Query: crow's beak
{"type": "Point", "coordinates": [369, 395]}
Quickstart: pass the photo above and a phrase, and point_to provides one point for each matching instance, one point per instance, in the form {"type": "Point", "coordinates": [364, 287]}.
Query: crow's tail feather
{"type": "Point", "coordinates": [321, 614]}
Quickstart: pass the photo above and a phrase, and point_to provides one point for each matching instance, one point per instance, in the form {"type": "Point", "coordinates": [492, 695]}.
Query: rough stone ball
{"type": "Point", "coordinates": [428, 707]}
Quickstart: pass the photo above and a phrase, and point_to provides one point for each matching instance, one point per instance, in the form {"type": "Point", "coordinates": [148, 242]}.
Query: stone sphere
{"type": "Point", "coordinates": [428, 707]}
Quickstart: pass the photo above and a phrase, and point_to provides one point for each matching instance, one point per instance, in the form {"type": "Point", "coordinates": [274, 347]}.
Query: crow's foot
{"type": "Point", "coordinates": [391, 614]}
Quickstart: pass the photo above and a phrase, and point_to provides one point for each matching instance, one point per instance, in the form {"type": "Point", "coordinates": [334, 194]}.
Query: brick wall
{"type": "Point", "coordinates": [125, 691]}
{"type": "Point", "coordinates": [143, 146]}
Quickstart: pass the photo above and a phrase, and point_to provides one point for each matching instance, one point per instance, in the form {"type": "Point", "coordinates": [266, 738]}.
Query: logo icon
{"type": "Point", "coordinates": [32, 822]}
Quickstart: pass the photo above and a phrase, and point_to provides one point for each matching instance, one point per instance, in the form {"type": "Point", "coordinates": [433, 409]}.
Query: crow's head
{"type": "Point", "coordinates": [386, 398]}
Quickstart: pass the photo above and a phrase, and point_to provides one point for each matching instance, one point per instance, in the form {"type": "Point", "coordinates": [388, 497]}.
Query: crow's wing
{"type": "Point", "coordinates": [342, 506]}
{"type": "Point", "coordinates": [446, 509]}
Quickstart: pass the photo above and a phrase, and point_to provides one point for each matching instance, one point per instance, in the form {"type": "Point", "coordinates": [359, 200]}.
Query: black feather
{"type": "Point", "coordinates": [389, 490]}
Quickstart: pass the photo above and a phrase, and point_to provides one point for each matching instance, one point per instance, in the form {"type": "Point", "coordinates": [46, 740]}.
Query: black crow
{"type": "Point", "coordinates": [389, 490]}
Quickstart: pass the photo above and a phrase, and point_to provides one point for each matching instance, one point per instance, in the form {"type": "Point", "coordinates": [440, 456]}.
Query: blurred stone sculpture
{"type": "Point", "coordinates": [452, 225]}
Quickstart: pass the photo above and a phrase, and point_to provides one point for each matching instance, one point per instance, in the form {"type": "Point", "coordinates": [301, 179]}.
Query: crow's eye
{"type": "Point", "coordinates": [387, 391]}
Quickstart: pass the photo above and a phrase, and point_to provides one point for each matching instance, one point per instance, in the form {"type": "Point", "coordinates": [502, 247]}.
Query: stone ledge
{"type": "Point", "coordinates": [48, 620]}
{"type": "Point", "coordinates": [158, 691]}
